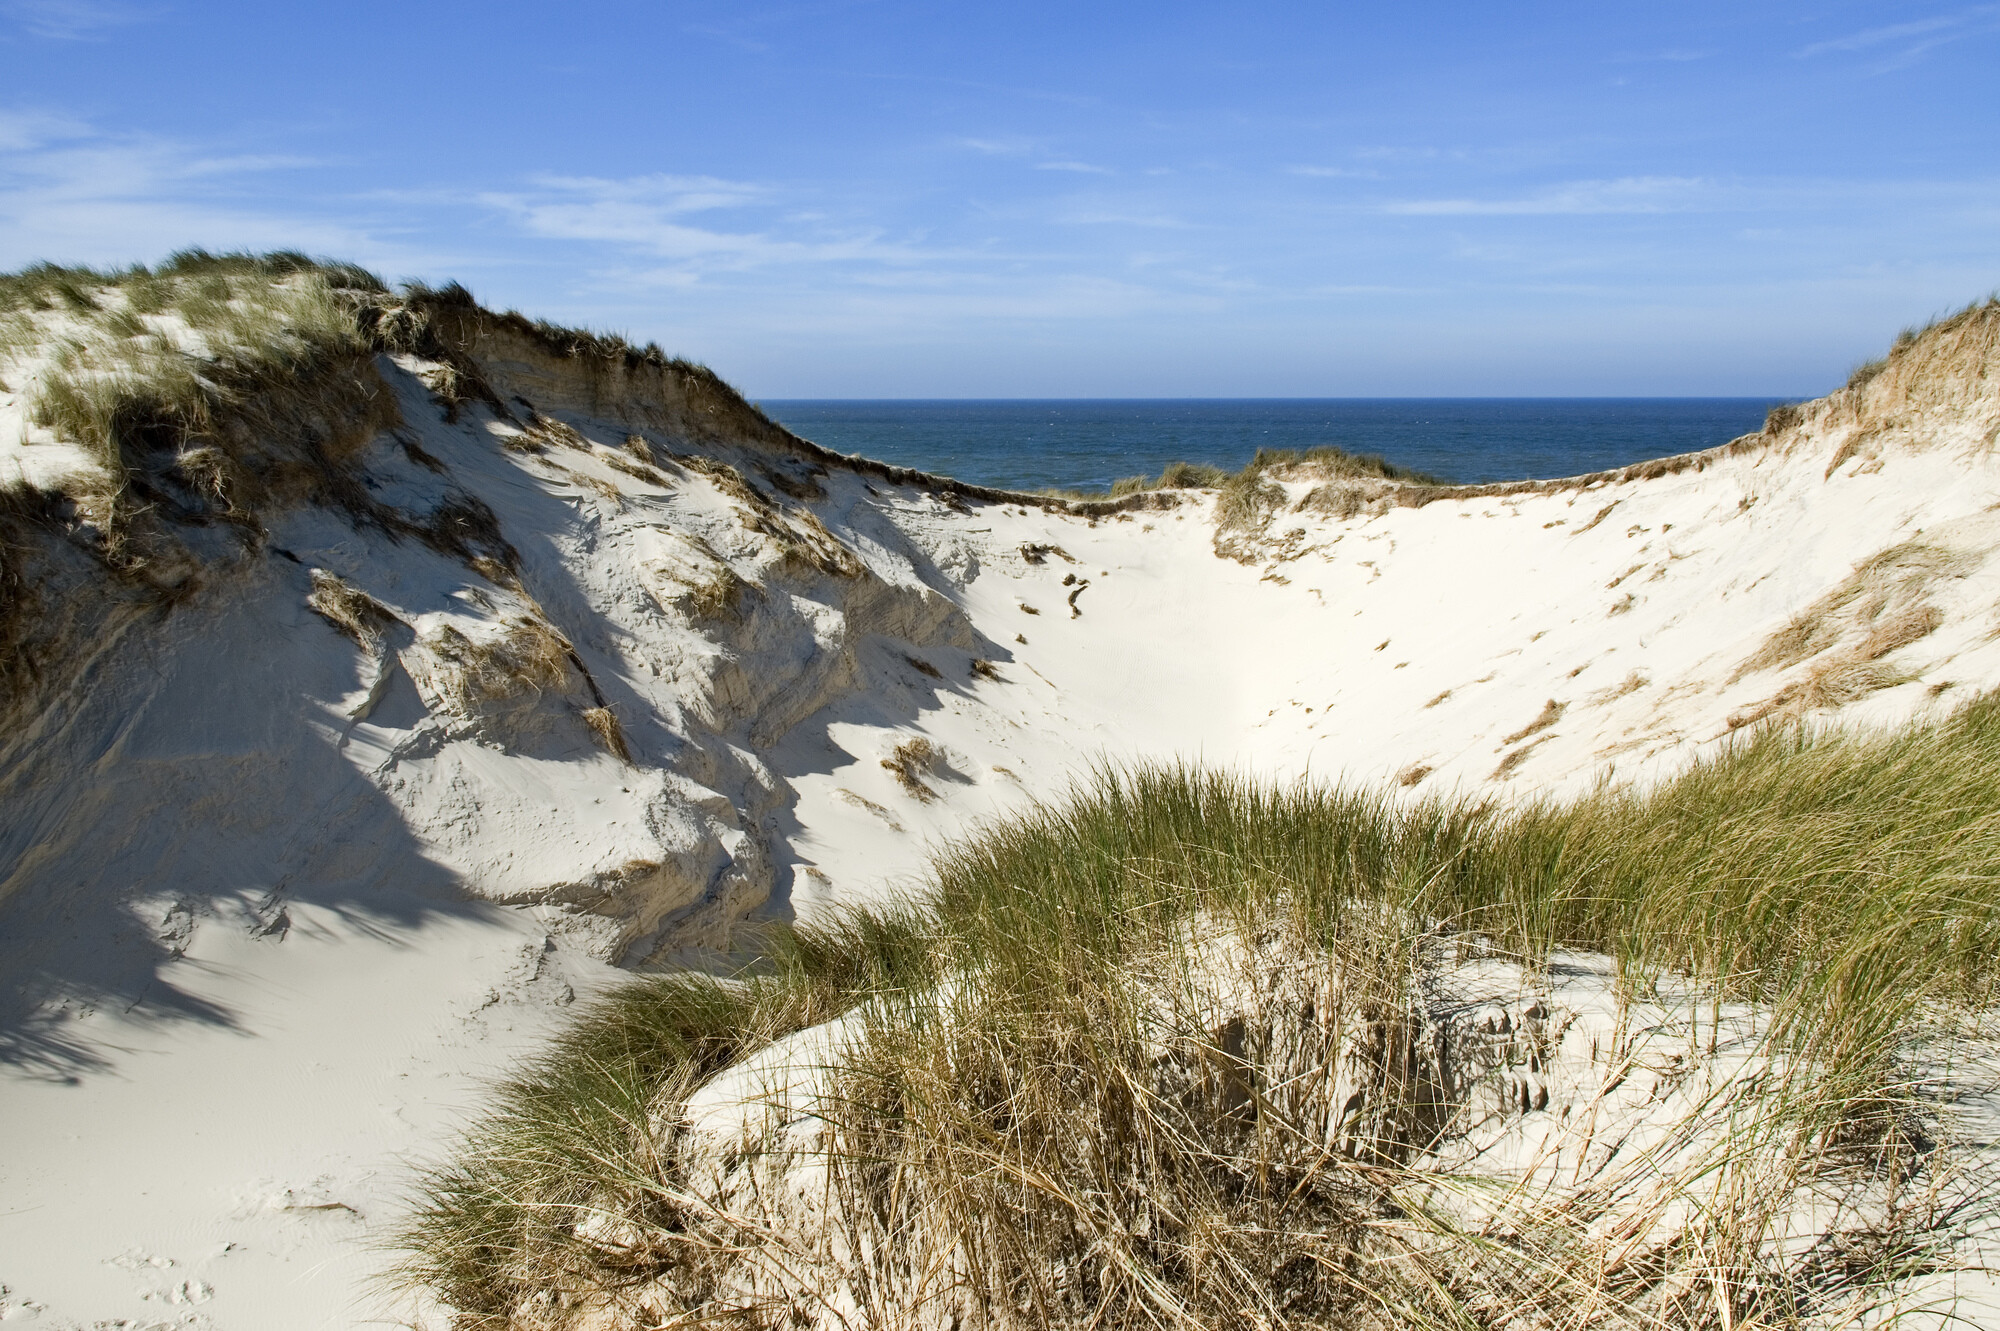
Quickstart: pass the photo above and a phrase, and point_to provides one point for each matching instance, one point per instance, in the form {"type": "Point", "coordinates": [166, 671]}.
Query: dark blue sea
{"type": "Point", "coordinates": [1086, 444]}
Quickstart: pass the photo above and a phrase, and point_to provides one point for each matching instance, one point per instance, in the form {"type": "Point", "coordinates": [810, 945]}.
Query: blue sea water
{"type": "Point", "coordinates": [1087, 444]}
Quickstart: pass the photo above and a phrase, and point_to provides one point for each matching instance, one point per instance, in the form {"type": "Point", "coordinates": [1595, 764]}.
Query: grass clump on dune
{"type": "Point", "coordinates": [210, 382]}
{"type": "Point", "coordinates": [1323, 463]}
{"type": "Point", "coordinates": [1077, 1088]}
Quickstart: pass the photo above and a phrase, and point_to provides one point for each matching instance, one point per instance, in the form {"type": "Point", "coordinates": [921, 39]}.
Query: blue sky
{"type": "Point", "coordinates": [1158, 200]}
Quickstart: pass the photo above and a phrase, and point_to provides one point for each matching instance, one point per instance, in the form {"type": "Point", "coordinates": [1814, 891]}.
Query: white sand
{"type": "Point", "coordinates": [276, 908]}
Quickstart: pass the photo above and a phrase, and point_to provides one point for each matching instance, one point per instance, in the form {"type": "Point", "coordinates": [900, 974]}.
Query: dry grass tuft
{"type": "Point", "coordinates": [639, 470]}
{"type": "Point", "coordinates": [603, 723]}
{"type": "Point", "coordinates": [1550, 714]}
{"type": "Point", "coordinates": [1877, 610]}
{"type": "Point", "coordinates": [1038, 554]}
{"type": "Point", "coordinates": [1631, 684]}
{"type": "Point", "coordinates": [1785, 416]}
{"type": "Point", "coordinates": [909, 762]}
{"type": "Point", "coordinates": [465, 528]}
{"type": "Point", "coordinates": [1250, 498]}
{"type": "Point", "coordinates": [719, 598]}
{"type": "Point", "coordinates": [1515, 757]}
{"type": "Point", "coordinates": [547, 431]}
{"type": "Point", "coordinates": [357, 615]}
{"type": "Point", "coordinates": [1337, 500]}
{"type": "Point", "coordinates": [806, 545]}
{"type": "Point", "coordinates": [1832, 682]}
{"type": "Point", "coordinates": [259, 385]}
{"type": "Point", "coordinates": [1177, 476]}
{"type": "Point", "coordinates": [1900, 629]}
{"type": "Point", "coordinates": [529, 659]}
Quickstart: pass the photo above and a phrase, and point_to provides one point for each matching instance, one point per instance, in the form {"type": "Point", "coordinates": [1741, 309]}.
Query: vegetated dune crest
{"type": "Point", "coordinates": [328, 610]}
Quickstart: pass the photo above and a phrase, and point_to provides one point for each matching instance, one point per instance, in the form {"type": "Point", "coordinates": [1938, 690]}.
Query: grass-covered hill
{"type": "Point", "coordinates": [1184, 1050]}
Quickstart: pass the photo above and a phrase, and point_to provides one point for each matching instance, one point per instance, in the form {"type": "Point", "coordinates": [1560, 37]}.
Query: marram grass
{"type": "Point", "coordinates": [1035, 1129]}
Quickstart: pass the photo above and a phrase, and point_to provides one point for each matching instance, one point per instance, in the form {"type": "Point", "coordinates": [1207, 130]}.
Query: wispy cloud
{"type": "Point", "coordinates": [1632, 194]}
{"type": "Point", "coordinates": [23, 131]}
{"type": "Point", "coordinates": [759, 225]}
{"type": "Point", "coordinates": [73, 194]}
{"type": "Point", "coordinates": [73, 20]}
{"type": "Point", "coordinates": [1332, 172]}
{"type": "Point", "coordinates": [667, 195]}
{"type": "Point", "coordinates": [737, 40]}
{"type": "Point", "coordinates": [998, 147]}
{"type": "Point", "coordinates": [1151, 221]}
{"type": "Point", "coordinates": [1016, 146]}
{"type": "Point", "coordinates": [1911, 39]}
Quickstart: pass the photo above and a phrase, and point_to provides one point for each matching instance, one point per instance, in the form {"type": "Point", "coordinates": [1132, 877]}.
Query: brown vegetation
{"type": "Point", "coordinates": [357, 615]}
{"type": "Point", "coordinates": [1882, 602]}
{"type": "Point", "coordinates": [719, 598]}
{"type": "Point", "coordinates": [530, 658]}
{"type": "Point", "coordinates": [1550, 714]}
{"type": "Point", "coordinates": [909, 762]}
{"type": "Point", "coordinates": [603, 723]}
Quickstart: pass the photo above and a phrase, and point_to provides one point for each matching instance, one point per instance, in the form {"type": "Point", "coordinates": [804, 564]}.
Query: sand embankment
{"type": "Point", "coordinates": [596, 663]}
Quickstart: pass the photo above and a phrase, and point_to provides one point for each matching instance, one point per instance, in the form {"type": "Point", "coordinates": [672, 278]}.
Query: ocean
{"type": "Point", "coordinates": [1086, 444]}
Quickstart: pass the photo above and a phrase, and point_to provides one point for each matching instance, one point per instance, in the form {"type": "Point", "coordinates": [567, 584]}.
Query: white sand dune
{"type": "Point", "coordinates": [279, 894]}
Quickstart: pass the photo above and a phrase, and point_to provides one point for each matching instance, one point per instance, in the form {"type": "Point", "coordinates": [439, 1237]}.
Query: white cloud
{"type": "Point", "coordinates": [1332, 172]}
{"type": "Point", "coordinates": [1081, 168]}
{"type": "Point", "coordinates": [1155, 221]}
{"type": "Point", "coordinates": [652, 214]}
{"type": "Point", "coordinates": [72, 20]}
{"type": "Point", "coordinates": [21, 131]}
{"type": "Point", "coordinates": [73, 195]}
{"type": "Point", "coordinates": [1000, 147]}
{"type": "Point", "coordinates": [1632, 194]}
{"type": "Point", "coordinates": [1927, 33]}
{"type": "Point", "coordinates": [669, 195]}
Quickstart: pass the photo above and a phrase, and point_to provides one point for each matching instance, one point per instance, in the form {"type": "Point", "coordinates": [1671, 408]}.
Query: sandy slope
{"type": "Point", "coordinates": [278, 899]}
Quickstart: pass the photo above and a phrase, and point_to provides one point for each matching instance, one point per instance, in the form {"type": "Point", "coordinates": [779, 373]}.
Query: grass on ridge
{"type": "Point", "coordinates": [1323, 463]}
{"type": "Point", "coordinates": [1047, 1148]}
{"type": "Point", "coordinates": [210, 382]}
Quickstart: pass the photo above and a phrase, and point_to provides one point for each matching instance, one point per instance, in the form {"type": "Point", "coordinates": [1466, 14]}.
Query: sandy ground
{"type": "Point", "coordinates": [278, 905]}
{"type": "Point", "coordinates": [229, 1169]}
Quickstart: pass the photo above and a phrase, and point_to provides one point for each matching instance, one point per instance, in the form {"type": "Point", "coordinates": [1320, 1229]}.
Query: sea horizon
{"type": "Point", "coordinates": [1088, 443]}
